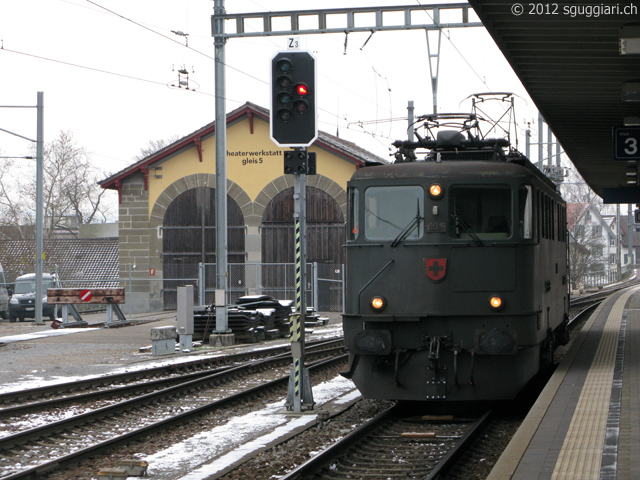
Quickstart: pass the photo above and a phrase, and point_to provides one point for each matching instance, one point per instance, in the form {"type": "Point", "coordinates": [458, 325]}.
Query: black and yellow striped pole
{"type": "Point", "coordinates": [297, 320]}
{"type": "Point", "coordinates": [300, 395]}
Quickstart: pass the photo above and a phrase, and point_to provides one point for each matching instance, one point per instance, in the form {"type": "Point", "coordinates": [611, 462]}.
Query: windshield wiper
{"type": "Point", "coordinates": [406, 231]}
{"type": "Point", "coordinates": [458, 222]}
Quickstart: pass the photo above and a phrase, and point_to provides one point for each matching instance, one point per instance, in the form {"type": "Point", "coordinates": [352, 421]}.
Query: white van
{"type": "Point", "coordinates": [4, 295]}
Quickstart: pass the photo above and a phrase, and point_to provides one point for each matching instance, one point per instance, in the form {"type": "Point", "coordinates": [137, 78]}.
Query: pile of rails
{"type": "Point", "coordinates": [252, 319]}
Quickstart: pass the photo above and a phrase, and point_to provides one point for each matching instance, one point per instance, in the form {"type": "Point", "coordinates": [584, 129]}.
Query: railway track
{"type": "Point", "coordinates": [58, 442]}
{"type": "Point", "coordinates": [204, 365]}
{"type": "Point", "coordinates": [586, 300]}
{"type": "Point", "coordinates": [392, 445]}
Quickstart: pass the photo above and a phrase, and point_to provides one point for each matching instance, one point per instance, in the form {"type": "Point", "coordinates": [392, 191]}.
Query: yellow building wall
{"type": "Point", "coordinates": [253, 161]}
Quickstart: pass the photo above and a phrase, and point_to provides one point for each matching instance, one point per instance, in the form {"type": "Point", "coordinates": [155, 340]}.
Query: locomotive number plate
{"type": "Point", "coordinates": [435, 227]}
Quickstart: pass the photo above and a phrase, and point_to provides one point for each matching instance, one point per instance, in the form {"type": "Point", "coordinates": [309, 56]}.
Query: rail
{"type": "Point", "coordinates": [377, 427]}
{"type": "Point", "coordinates": [14, 442]}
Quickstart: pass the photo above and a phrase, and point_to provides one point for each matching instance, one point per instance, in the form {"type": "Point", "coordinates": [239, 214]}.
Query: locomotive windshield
{"type": "Point", "coordinates": [481, 212]}
{"type": "Point", "coordinates": [394, 213]}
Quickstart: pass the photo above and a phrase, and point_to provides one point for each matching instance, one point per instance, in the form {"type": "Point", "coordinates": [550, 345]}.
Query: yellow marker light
{"type": "Point", "coordinates": [436, 191]}
{"type": "Point", "coordinates": [378, 303]}
{"type": "Point", "coordinates": [496, 303]}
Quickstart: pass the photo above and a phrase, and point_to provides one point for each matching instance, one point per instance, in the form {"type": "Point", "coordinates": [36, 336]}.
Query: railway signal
{"type": "Point", "coordinates": [299, 162]}
{"type": "Point", "coordinates": [293, 99]}
{"type": "Point", "coordinates": [293, 123]}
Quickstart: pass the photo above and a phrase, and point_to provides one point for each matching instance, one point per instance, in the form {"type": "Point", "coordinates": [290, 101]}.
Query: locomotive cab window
{"type": "Point", "coordinates": [481, 212]}
{"type": "Point", "coordinates": [394, 213]}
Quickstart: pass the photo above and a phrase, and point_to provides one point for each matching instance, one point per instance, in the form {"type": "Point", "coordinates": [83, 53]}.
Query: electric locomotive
{"type": "Point", "coordinates": [456, 272]}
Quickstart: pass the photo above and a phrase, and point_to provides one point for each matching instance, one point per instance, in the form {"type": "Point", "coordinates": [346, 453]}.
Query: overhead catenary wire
{"type": "Point", "coordinates": [4, 49]}
{"type": "Point", "coordinates": [226, 64]}
{"type": "Point", "coordinates": [376, 103]}
{"type": "Point", "coordinates": [166, 37]}
{"type": "Point", "coordinates": [95, 6]}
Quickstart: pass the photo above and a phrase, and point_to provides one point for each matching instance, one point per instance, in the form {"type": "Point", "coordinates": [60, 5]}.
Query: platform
{"type": "Point", "coordinates": [31, 354]}
{"type": "Point", "coordinates": [585, 425]}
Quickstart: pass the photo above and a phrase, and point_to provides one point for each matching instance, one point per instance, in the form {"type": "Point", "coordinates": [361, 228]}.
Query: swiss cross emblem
{"type": "Point", "coordinates": [436, 268]}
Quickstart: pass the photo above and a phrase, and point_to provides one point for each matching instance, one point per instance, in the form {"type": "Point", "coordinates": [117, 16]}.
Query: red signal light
{"type": "Point", "coordinates": [302, 89]}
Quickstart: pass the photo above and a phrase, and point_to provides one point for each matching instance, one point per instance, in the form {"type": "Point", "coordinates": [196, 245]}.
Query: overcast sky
{"type": "Point", "coordinates": [106, 66]}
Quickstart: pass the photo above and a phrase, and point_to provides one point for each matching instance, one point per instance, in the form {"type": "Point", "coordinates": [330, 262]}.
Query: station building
{"type": "Point", "coordinates": [167, 209]}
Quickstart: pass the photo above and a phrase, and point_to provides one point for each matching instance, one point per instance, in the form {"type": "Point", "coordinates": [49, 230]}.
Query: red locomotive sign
{"type": "Point", "coordinates": [436, 269]}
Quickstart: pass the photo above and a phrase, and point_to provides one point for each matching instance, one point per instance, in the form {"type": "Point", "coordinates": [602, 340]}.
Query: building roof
{"type": "Point", "coordinates": [90, 262]}
{"type": "Point", "coordinates": [575, 211]}
{"type": "Point", "coordinates": [624, 233]}
{"type": "Point", "coordinates": [339, 147]}
{"type": "Point", "coordinates": [611, 221]}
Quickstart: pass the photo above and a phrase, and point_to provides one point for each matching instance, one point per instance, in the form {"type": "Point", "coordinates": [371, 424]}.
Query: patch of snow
{"type": "Point", "coordinates": [240, 437]}
{"type": "Point", "coordinates": [43, 333]}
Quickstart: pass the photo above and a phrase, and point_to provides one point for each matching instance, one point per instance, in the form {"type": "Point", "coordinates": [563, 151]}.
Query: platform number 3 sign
{"type": "Point", "coordinates": [626, 143]}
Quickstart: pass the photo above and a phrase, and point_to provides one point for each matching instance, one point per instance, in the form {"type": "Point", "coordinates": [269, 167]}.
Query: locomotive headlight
{"type": "Point", "coordinates": [378, 303]}
{"type": "Point", "coordinates": [436, 191]}
{"type": "Point", "coordinates": [496, 302]}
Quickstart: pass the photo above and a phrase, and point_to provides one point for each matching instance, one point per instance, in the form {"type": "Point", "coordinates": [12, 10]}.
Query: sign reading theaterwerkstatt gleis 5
{"type": "Point", "coordinates": [626, 143]}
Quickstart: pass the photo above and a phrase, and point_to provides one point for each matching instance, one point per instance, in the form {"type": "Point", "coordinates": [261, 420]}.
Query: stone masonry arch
{"type": "Point", "coordinates": [159, 209]}
{"type": "Point", "coordinates": [286, 181]}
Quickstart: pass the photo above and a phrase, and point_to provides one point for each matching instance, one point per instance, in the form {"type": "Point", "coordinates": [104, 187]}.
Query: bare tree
{"type": "Point", "coordinates": [154, 146]}
{"type": "Point", "coordinates": [70, 193]}
{"type": "Point", "coordinates": [13, 212]}
{"type": "Point", "coordinates": [575, 190]}
{"type": "Point", "coordinates": [587, 244]}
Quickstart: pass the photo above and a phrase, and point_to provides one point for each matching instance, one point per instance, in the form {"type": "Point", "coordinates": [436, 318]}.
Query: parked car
{"type": "Point", "coordinates": [23, 300]}
{"type": "Point", "coordinates": [4, 295]}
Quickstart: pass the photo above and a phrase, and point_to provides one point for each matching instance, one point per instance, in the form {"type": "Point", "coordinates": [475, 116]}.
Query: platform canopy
{"type": "Point", "coordinates": [581, 66]}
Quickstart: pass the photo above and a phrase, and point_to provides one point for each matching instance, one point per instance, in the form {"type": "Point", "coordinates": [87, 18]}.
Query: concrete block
{"type": "Point", "coordinates": [163, 347]}
{"type": "Point", "coordinates": [222, 339]}
{"type": "Point", "coordinates": [163, 333]}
